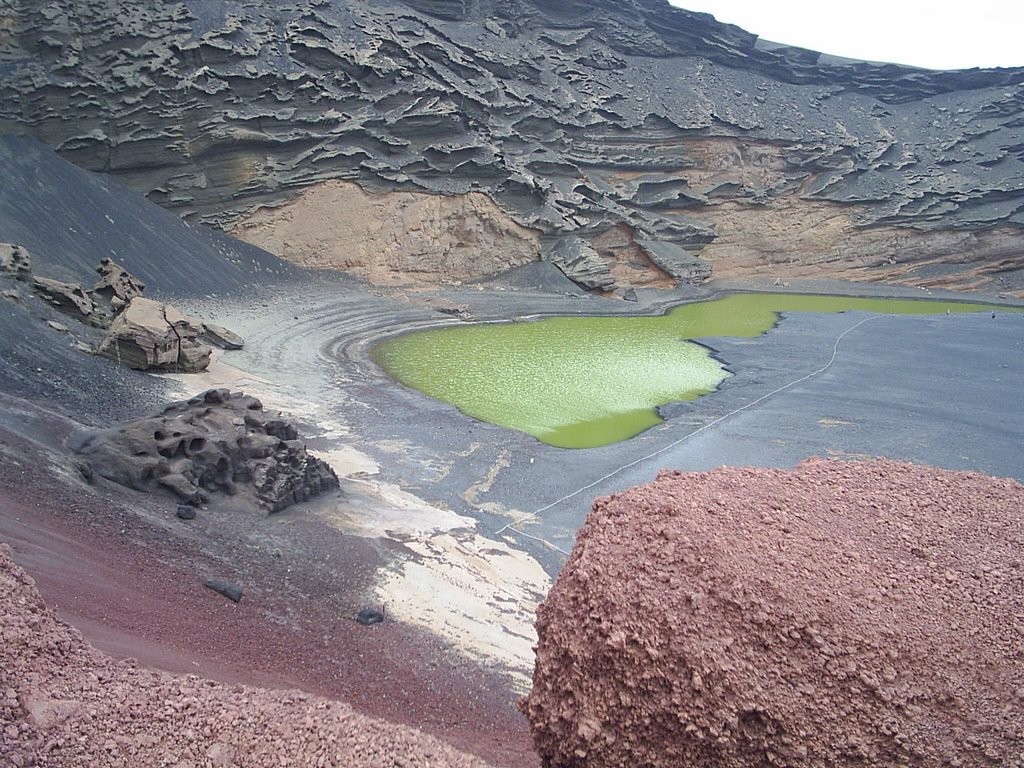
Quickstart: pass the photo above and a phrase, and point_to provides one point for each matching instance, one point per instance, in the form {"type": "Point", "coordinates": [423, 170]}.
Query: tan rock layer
{"type": "Point", "coordinates": [797, 238]}
{"type": "Point", "coordinates": [392, 238]}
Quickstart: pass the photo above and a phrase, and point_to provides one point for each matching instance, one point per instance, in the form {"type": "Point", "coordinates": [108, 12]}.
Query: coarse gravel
{"type": "Point", "coordinates": [63, 703]}
{"type": "Point", "coordinates": [840, 613]}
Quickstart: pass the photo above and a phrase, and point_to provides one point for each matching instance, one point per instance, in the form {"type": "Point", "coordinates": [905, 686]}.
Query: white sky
{"type": "Point", "coordinates": [938, 34]}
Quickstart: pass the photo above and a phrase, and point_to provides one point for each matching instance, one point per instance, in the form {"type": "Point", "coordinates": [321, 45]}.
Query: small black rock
{"type": "Point", "coordinates": [229, 589]}
{"type": "Point", "coordinates": [369, 616]}
{"type": "Point", "coordinates": [185, 512]}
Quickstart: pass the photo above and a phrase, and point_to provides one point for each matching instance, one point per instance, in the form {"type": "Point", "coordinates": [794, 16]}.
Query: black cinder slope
{"type": "Point", "coordinates": [69, 219]}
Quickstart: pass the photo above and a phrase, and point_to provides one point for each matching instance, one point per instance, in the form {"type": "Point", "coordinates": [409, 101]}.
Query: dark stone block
{"type": "Point", "coordinates": [368, 616]}
{"type": "Point", "coordinates": [186, 512]}
{"type": "Point", "coordinates": [229, 589]}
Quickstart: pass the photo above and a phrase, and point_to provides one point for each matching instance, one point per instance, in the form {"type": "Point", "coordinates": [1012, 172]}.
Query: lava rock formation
{"type": "Point", "coordinates": [218, 441]}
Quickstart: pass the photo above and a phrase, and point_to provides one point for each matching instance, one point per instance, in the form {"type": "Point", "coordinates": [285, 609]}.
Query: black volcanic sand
{"type": "Point", "coordinates": [69, 219]}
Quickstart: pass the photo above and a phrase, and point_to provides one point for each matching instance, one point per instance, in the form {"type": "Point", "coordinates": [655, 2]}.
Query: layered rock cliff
{"type": "Point", "coordinates": [626, 120]}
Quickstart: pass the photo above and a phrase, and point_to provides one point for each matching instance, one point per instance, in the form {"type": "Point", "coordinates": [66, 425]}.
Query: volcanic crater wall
{"type": "Point", "coordinates": [574, 117]}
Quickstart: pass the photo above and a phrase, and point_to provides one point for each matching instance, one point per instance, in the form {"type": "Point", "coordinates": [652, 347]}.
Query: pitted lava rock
{"type": "Point", "coordinates": [217, 441]}
{"type": "Point", "coordinates": [839, 613]}
{"type": "Point", "coordinates": [117, 283]}
{"type": "Point", "coordinates": [63, 703]}
{"type": "Point", "coordinates": [15, 262]}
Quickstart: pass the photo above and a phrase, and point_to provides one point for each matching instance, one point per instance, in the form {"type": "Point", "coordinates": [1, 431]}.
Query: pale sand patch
{"type": "Point", "coordinates": [828, 422]}
{"type": "Point", "coordinates": [220, 374]}
{"type": "Point", "coordinates": [485, 483]}
{"type": "Point", "coordinates": [347, 461]}
{"type": "Point", "coordinates": [478, 594]}
{"type": "Point", "coordinates": [377, 509]}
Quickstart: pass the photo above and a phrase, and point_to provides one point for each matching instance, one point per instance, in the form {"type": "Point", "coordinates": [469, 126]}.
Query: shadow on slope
{"type": "Point", "coordinates": [69, 219]}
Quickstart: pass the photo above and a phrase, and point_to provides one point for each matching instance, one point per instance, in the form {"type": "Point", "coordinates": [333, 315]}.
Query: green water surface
{"type": "Point", "coordinates": [582, 382]}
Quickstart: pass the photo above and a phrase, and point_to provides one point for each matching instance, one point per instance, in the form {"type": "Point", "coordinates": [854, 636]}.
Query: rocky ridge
{"type": "Point", "coordinates": [576, 118]}
{"type": "Point", "coordinates": [141, 333]}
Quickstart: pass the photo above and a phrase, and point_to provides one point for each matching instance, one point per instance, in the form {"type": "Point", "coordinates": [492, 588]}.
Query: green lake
{"type": "Point", "coordinates": [582, 382]}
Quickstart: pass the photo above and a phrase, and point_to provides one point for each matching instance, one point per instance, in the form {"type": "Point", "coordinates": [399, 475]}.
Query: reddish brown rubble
{"type": "Point", "coordinates": [836, 614]}
{"type": "Point", "coordinates": [62, 703]}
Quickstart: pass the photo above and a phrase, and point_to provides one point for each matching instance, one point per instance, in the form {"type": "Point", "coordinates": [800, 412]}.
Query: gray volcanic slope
{"type": "Point", "coordinates": [69, 219]}
{"type": "Point", "coordinates": [650, 132]}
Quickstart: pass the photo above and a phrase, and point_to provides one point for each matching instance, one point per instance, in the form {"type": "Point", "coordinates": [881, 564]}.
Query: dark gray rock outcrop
{"type": "Point", "coordinates": [217, 442]}
{"type": "Point", "coordinates": [580, 262]}
{"type": "Point", "coordinates": [575, 117]}
{"type": "Point", "coordinates": [676, 261]}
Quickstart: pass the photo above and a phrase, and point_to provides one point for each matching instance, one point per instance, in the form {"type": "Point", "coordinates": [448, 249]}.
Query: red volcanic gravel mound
{"type": "Point", "coordinates": [62, 703]}
{"type": "Point", "coordinates": [836, 614]}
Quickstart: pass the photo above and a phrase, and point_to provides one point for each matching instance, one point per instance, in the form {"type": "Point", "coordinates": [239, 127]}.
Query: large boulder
{"type": "Point", "coordinates": [151, 336]}
{"type": "Point", "coordinates": [837, 614]}
{"type": "Point", "coordinates": [217, 442]}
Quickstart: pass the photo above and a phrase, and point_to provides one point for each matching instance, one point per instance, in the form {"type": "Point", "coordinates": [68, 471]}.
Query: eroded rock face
{"type": "Point", "coordinates": [217, 442]}
{"type": "Point", "coordinates": [116, 285]}
{"type": "Point", "coordinates": [580, 262]}
{"type": "Point", "coordinates": [576, 118]}
{"type": "Point", "coordinates": [395, 237]}
{"type": "Point", "coordinates": [840, 614]}
{"type": "Point", "coordinates": [150, 336]}
{"type": "Point", "coordinates": [67, 297]}
{"type": "Point", "coordinates": [15, 262]}
{"type": "Point", "coordinates": [141, 333]}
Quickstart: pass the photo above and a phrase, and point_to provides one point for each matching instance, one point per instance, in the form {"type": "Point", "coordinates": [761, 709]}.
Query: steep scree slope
{"type": "Point", "coordinates": [687, 135]}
